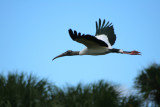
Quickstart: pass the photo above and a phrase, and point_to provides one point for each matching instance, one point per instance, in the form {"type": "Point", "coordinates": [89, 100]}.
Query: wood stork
{"type": "Point", "coordinates": [99, 44]}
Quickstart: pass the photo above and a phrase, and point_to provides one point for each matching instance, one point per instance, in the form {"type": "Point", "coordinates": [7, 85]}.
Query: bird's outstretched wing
{"type": "Point", "coordinates": [87, 40]}
{"type": "Point", "coordinates": [106, 29]}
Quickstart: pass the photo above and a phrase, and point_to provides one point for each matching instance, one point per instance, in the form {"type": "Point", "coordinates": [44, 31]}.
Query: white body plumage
{"type": "Point", "coordinates": [94, 51]}
{"type": "Point", "coordinates": [97, 50]}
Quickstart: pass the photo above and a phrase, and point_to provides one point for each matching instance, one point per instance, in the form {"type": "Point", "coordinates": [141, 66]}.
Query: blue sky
{"type": "Point", "coordinates": [32, 32]}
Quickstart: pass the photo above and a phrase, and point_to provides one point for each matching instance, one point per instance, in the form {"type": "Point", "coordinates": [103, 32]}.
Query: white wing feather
{"type": "Point", "coordinates": [104, 38]}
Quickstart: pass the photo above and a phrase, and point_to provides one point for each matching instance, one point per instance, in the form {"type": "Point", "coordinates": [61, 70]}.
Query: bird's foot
{"type": "Point", "coordinates": [135, 53]}
{"type": "Point", "coordinates": [132, 52]}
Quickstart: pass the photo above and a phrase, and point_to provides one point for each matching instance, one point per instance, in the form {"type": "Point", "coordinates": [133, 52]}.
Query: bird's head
{"type": "Point", "coordinates": [67, 53]}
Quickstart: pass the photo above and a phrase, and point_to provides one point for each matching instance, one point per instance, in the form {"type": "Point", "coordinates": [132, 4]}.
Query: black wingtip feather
{"type": "Point", "coordinates": [110, 25]}
{"type": "Point", "coordinates": [106, 29]}
{"type": "Point", "coordinates": [71, 34]}
{"type": "Point", "coordinates": [96, 26]}
{"type": "Point", "coordinates": [107, 24]}
{"type": "Point", "coordinates": [103, 23]}
{"type": "Point", "coordinates": [99, 23]}
{"type": "Point", "coordinates": [79, 34]}
{"type": "Point", "coordinates": [75, 33]}
{"type": "Point", "coordinates": [78, 37]}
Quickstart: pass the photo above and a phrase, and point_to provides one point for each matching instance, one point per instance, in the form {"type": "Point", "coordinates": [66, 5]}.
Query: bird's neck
{"type": "Point", "coordinates": [75, 53]}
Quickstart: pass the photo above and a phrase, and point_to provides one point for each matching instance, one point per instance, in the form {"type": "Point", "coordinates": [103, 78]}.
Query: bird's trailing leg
{"type": "Point", "coordinates": [131, 52]}
{"type": "Point", "coordinates": [67, 53]}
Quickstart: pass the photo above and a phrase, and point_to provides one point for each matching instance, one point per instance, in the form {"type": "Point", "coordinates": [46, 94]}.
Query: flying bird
{"type": "Point", "coordinates": [100, 44]}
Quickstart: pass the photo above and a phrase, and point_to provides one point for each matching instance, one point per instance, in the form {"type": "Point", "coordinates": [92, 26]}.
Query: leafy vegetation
{"type": "Point", "coordinates": [19, 90]}
{"type": "Point", "coordinates": [100, 94]}
{"type": "Point", "coordinates": [148, 83]}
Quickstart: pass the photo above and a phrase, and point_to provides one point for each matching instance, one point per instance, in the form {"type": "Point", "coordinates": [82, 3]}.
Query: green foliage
{"type": "Point", "coordinates": [131, 101]}
{"type": "Point", "coordinates": [148, 83]}
{"type": "Point", "coordinates": [100, 94]}
{"type": "Point", "coordinates": [19, 90]}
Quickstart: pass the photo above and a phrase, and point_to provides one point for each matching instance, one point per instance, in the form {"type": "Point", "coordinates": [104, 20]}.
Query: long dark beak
{"type": "Point", "coordinates": [67, 53]}
{"type": "Point", "coordinates": [61, 55]}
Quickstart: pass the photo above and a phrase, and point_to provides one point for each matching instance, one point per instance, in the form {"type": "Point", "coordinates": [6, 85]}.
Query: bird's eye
{"type": "Point", "coordinates": [69, 51]}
